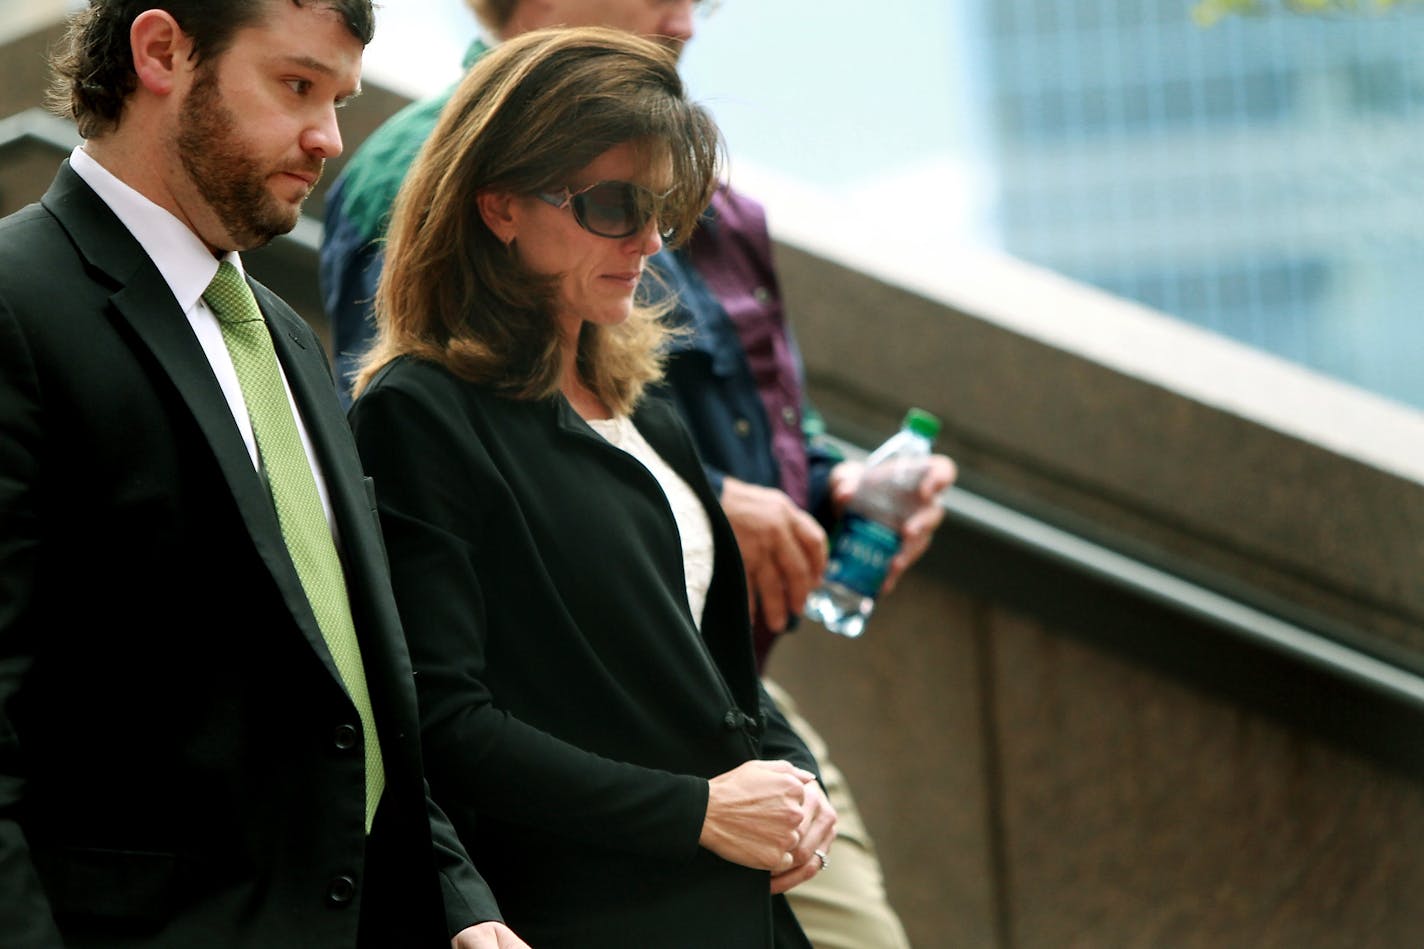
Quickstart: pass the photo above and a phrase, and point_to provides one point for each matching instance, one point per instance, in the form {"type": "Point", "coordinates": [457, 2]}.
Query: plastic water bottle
{"type": "Point", "coordinates": [868, 535]}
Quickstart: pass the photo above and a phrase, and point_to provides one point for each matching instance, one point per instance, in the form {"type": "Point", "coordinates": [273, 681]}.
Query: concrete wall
{"type": "Point", "coordinates": [1029, 788]}
{"type": "Point", "coordinates": [1048, 761]}
{"type": "Point", "coordinates": [27, 33]}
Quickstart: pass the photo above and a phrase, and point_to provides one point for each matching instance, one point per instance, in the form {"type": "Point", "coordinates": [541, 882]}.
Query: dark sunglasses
{"type": "Point", "coordinates": [610, 208]}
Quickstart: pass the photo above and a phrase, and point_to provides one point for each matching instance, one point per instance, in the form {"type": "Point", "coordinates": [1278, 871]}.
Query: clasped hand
{"type": "Point", "coordinates": [770, 815]}
{"type": "Point", "coordinates": [487, 936]}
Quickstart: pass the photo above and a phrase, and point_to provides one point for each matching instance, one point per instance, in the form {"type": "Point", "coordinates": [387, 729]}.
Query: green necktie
{"type": "Point", "coordinates": [294, 494]}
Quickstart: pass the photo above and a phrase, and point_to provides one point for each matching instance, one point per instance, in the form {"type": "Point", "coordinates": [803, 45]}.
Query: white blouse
{"type": "Point", "coordinates": [692, 523]}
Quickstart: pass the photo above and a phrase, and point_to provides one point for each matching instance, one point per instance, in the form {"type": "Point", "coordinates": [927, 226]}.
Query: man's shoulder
{"type": "Point", "coordinates": [33, 250]}
{"type": "Point", "coordinates": [72, 227]}
{"type": "Point", "coordinates": [18, 229]}
{"type": "Point", "coordinates": [738, 212]}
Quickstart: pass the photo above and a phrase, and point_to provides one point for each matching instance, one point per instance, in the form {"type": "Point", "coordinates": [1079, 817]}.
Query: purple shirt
{"type": "Point", "coordinates": [732, 253]}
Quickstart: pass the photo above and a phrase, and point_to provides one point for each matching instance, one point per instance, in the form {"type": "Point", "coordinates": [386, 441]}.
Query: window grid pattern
{"type": "Point", "coordinates": [1254, 178]}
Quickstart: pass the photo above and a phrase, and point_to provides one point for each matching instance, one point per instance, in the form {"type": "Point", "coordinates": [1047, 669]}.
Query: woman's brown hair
{"type": "Point", "coordinates": [531, 114]}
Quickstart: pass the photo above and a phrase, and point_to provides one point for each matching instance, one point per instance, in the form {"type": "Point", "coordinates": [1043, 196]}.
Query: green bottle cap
{"type": "Point", "coordinates": [922, 423]}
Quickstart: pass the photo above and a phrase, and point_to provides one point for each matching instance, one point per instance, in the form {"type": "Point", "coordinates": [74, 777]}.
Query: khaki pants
{"type": "Point", "coordinates": [844, 906]}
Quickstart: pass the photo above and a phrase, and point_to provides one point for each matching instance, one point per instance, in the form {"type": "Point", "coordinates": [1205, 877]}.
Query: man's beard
{"type": "Point", "coordinates": [229, 179]}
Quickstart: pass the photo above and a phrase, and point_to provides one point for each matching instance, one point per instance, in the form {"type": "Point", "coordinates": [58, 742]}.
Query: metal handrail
{"type": "Point", "coordinates": [980, 514]}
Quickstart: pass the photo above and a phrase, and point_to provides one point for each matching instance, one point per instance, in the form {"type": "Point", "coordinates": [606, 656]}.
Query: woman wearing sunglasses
{"type": "Point", "coordinates": [572, 594]}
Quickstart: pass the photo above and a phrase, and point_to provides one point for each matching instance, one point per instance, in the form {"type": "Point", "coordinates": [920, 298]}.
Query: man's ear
{"type": "Point", "coordinates": [498, 211]}
{"type": "Point", "coordinates": [160, 50]}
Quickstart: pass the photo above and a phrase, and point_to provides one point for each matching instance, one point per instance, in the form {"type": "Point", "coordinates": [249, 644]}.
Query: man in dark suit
{"type": "Point", "coordinates": [208, 731]}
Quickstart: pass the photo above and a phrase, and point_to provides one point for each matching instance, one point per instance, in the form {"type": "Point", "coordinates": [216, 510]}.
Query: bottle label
{"type": "Point", "coordinates": [861, 554]}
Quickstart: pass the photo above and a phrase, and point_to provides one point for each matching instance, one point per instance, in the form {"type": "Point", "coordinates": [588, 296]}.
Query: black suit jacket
{"type": "Point", "coordinates": [177, 764]}
{"type": "Point", "coordinates": [540, 577]}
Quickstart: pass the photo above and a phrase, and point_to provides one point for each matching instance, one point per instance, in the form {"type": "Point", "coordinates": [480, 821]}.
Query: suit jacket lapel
{"type": "Point", "coordinates": [146, 304]}
{"type": "Point", "coordinates": [725, 624]}
{"type": "Point", "coordinates": [726, 629]}
{"type": "Point", "coordinates": [372, 605]}
{"type": "Point", "coordinates": [143, 300]}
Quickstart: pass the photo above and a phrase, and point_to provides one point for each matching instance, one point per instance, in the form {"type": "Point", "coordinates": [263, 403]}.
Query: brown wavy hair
{"type": "Point", "coordinates": [527, 118]}
{"type": "Point", "coordinates": [93, 69]}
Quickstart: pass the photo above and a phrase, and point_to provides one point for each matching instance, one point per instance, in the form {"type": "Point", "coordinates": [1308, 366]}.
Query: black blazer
{"type": "Point", "coordinates": [177, 760]}
{"type": "Point", "coordinates": [571, 710]}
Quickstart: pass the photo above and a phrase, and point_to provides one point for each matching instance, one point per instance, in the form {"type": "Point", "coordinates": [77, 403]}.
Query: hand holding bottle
{"type": "Point", "coordinates": [889, 516]}
{"type": "Point", "coordinates": [919, 527]}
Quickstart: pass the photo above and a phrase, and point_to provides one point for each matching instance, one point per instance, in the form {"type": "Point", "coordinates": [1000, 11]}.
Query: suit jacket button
{"type": "Point", "coordinates": [732, 720]}
{"type": "Point", "coordinates": [345, 737]}
{"type": "Point", "coordinates": [340, 891]}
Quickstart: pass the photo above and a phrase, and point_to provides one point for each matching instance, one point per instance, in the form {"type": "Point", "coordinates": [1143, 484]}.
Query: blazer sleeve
{"type": "Point", "coordinates": [25, 916]}
{"type": "Point", "coordinates": [433, 481]}
{"type": "Point", "coordinates": [467, 898]}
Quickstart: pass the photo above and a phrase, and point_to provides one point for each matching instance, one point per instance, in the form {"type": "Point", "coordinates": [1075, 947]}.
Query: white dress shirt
{"type": "Point", "coordinates": [694, 528]}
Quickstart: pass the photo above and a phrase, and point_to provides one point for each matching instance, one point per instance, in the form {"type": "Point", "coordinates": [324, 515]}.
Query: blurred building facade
{"type": "Point", "coordinates": [1257, 177]}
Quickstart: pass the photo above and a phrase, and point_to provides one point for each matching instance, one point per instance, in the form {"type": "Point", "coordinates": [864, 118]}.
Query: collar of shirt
{"type": "Point", "coordinates": [181, 257]}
